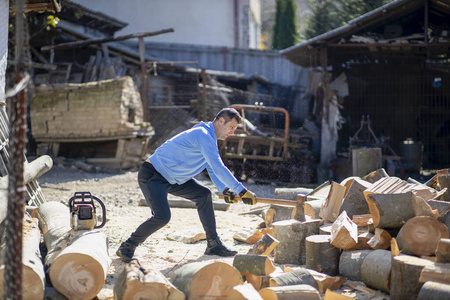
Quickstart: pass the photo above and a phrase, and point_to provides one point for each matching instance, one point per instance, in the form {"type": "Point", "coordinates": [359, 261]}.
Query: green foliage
{"type": "Point", "coordinates": [285, 29]}
{"type": "Point", "coordinates": [327, 15]}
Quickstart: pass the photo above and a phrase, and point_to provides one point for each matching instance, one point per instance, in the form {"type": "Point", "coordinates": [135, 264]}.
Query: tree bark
{"type": "Point", "coordinates": [326, 282]}
{"type": "Point", "coordinates": [376, 270]}
{"type": "Point", "coordinates": [420, 236]}
{"type": "Point", "coordinates": [390, 210]}
{"type": "Point", "coordinates": [199, 280]}
{"type": "Point", "coordinates": [300, 291]}
{"type": "Point", "coordinates": [139, 282]}
{"type": "Point", "coordinates": [405, 275]}
{"type": "Point", "coordinates": [75, 270]}
{"type": "Point", "coordinates": [350, 264]}
{"type": "Point", "coordinates": [294, 277]}
{"type": "Point", "coordinates": [254, 264]}
{"type": "Point", "coordinates": [437, 272]}
{"type": "Point", "coordinates": [321, 255]}
{"type": "Point", "coordinates": [443, 251]}
{"type": "Point", "coordinates": [292, 234]}
{"type": "Point", "coordinates": [33, 281]}
{"type": "Point", "coordinates": [312, 208]}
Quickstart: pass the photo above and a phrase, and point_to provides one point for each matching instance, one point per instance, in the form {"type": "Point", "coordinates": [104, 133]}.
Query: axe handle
{"type": "Point", "coordinates": [268, 200]}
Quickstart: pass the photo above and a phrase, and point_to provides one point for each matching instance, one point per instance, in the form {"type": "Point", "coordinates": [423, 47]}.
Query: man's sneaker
{"type": "Point", "coordinates": [126, 251]}
{"type": "Point", "coordinates": [215, 247]}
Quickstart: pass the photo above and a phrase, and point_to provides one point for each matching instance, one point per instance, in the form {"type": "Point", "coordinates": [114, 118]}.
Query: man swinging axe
{"type": "Point", "coordinates": [171, 169]}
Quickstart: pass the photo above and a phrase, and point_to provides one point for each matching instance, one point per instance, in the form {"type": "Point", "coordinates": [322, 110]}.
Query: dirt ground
{"type": "Point", "coordinates": [121, 196]}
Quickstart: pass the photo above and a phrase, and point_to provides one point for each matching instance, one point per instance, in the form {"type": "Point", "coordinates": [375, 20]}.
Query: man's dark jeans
{"type": "Point", "coordinates": [155, 188]}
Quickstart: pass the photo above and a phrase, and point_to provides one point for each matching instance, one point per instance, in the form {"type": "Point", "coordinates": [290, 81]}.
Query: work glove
{"type": "Point", "coordinates": [229, 196]}
{"type": "Point", "coordinates": [248, 197]}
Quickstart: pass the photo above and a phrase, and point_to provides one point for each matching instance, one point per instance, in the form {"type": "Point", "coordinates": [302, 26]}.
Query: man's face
{"type": "Point", "coordinates": [224, 130]}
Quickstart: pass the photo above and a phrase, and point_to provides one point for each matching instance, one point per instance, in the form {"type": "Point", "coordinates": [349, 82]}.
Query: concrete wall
{"type": "Point", "coordinates": [4, 10]}
{"type": "Point", "coordinates": [199, 22]}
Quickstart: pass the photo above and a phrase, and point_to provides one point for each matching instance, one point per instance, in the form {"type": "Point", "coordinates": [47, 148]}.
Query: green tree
{"type": "Point", "coordinates": [285, 29]}
{"type": "Point", "coordinates": [327, 15]}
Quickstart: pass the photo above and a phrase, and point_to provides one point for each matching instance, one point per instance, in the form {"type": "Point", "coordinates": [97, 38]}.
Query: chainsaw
{"type": "Point", "coordinates": [83, 214]}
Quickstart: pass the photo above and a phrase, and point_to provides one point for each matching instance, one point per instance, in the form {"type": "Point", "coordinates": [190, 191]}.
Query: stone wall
{"type": "Point", "coordinates": [102, 109]}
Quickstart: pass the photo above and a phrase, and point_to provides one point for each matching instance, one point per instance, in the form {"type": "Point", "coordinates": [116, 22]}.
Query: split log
{"type": "Point", "coordinates": [434, 291]}
{"type": "Point", "coordinates": [299, 291]}
{"type": "Point", "coordinates": [347, 182]}
{"type": "Point", "coordinates": [294, 277]}
{"type": "Point", "coordinates": [443, 179]}
{"type": "Point", "coordinates": [330, 210]}
{"type": "Point", "coordinates": [253, 264]}
{"type": "Point", "coordinates": [443, 251]}
{"type": "Point", "coordinates": [312, 208]}
{"type": "Point", "coordinates": [259, 282]}
{"type": "Point", "coordinates": [251, 236]}
{"type": "Point", "coordinates": [363, 241]}
{"type": "Point", "coordinates": [420, 236]}
{"type": "Point", "coordinates": [330, 295]}
{"type": "Point", "coordinates": [394, 248]}
{"type": "Point", "coordinates": [186, 236]}
{"type": "Point", "coordinates": [436, 272]}
{"type": "Point", "coordinates": [421, 207]}
{"type": "Point", "coordinates": [244, 292]}
{"type": "Point", "coordinates": [344, 233]}
{"type": "Point", "coordinates": [325, 282]}
{"type": "Point", "coordinates": [362, 220]}
{"type": "Point", "coordinates": [292, 234]}
{"type": "Point", "coordinates": [376, 270]}
{"type": "Point", "coordinates": [199, 280]}
{"type": "Point", "coordinates": [376, 175]}
{"type": "Point", "coordinates": [390, 210]}
{"type": "Point", "coordinates": [138, 282]}
{"type": "Point", "coordinates": [366, 160]}
{"type": "Point", "coordinates": [75, 270]}
{"type": "Point", "coordinates": [299, 210]}
{"type": "Point", "coordinates": [350, 263]}
{"type": "Point", "coordinates": [33, 276]}
{"type": "Point", "coordinates": [367, 292]}
{"type": "Point", "coordinates": [380, 240]}
{"type": "Point", "coordinates": [321, 255]}
{"type": "Point", "coordinates": [441, 206]}
{"type": "Point", "coordinates": [354, 202]}
{"type": "Point", "coordinates": [264, 246]}
{"type": "Point", "coordinates": [405, 274]}
{"type": "Point", "coordinates": [278, 213]}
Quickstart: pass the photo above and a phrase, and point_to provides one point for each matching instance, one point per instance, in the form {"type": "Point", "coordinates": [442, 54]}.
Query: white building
{"type": "Point", "coordinates": [228, 23]}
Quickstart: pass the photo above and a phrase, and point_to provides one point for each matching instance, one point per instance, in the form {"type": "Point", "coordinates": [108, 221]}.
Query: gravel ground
{"type": "Point", "coordinates": [121, 195]}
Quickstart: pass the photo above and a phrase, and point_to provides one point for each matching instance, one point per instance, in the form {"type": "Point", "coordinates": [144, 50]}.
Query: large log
{"type": "Point", "coordinates": [390, 210]}
{"type": "Point", "coordinates": [33, 276]}
{"type": "Point", "coordinates": [202, 281]}
{"type": "Point", "coordinates": [139, 282]}
{"type": "Point", "coordinates": [253, 264]}
{"type": "Point", "coordinates": [350, 264]}
{"type": "Point", "coordinates": [294, 277]}
{"type": "Point", "coordinates": [330, 210]}
{"type": "Point", "coordinates": [32, 170]}
{"type": "Point", "coordinates": [405, 274]}
{"type": "Point", "coordinates": [354, 202]}
{"type": "Point", "coordinates": [321, 255]}
{"type": "Point", "coordinates": [344, 233]}
{"type": "Point", "coordinates": [434, 291]}
{"type": "Point", "coordinates": [420, 236]}
{"type": "Point", "coordinates": [290, 193]}
{"type": "Point", "coordinates": [299, 291]}
{"type": "Point", "coordinates": [78, 261]}
{"type": "Point", "coordinates": [292, 234]}
{"type": "Point", "coordinates": [376, 270]}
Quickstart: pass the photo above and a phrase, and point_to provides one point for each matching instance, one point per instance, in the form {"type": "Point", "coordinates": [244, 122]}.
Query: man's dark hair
{"type": "Point", "coordinates": [228, 114]}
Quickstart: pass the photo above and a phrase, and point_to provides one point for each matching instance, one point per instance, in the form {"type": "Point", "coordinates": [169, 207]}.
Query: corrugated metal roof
{"type": "Point", "coordinates": [306, 54]}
